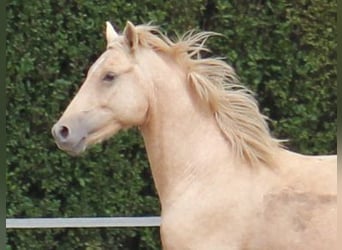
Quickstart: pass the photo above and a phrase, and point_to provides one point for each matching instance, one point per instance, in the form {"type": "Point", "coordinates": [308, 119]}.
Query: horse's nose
{"type": "Point", "coordinates": [70, 136]}
{"type": "Point", "coordinates": [60, 133]}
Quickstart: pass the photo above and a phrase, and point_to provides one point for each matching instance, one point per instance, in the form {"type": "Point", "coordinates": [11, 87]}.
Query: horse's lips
{"type": "Point", "coordinates": [75, 149]}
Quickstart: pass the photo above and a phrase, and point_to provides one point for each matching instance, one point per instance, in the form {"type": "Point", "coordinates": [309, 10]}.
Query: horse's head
{"type": "Point", "coordinates": [113, 96]}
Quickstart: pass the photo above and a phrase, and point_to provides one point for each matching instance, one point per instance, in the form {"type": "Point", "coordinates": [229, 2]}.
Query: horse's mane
{"type": "Point", "coordinates": [234, 106]}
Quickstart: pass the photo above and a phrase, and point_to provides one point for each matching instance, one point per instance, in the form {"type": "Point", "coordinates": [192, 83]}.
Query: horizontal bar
{"type": "Point", "coordinates": [83, 222]}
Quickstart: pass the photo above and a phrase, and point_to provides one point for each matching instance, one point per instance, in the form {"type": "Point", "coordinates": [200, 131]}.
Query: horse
{"type": "Point", "coordinates": [223, 181]}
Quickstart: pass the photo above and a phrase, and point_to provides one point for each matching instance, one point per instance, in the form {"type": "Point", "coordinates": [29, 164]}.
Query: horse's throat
{"type": "Point", "coordinates": [183, 152]}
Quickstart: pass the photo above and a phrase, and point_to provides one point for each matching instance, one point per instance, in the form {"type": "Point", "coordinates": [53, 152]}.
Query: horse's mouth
{"type": "Point", "coordinates": [76, 149]}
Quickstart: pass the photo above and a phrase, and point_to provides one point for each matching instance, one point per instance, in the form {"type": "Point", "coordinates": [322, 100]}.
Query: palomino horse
{"type": "Point", "coordinates": [222, 180]}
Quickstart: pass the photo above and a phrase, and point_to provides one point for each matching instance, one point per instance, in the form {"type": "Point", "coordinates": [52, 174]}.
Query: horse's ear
{"type": "Point", "coordinates": [111, 34]}
{"type": "Point", "coordinates": [131, 36]}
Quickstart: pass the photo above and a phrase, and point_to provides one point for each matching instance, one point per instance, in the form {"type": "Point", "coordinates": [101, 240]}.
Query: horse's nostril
{"type": "Point", "coordinates": [64, 132]}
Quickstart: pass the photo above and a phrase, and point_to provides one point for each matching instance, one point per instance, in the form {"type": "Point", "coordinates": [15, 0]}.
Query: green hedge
{"type": "Point", "coordinates": [283, 50]}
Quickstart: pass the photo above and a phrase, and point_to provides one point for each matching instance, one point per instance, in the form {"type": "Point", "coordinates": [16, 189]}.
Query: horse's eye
{"type": "Point", "coordinates": [109, 77]}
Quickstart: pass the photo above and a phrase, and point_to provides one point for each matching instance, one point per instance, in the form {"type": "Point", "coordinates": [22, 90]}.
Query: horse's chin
{"type": "Point", "coordinates": [102, 134]}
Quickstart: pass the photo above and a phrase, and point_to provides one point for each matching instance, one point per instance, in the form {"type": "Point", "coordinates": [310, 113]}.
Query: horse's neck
{"type": "Point", "coordinates": [182, 139]}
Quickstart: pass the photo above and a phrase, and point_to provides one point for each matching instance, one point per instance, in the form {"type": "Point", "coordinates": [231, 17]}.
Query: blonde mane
{"type": "Point", "coordinates": [235, 109]}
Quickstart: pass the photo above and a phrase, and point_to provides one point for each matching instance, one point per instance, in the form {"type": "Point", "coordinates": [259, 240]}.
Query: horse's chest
{"type": "Point", "coordinates": [207, 221]}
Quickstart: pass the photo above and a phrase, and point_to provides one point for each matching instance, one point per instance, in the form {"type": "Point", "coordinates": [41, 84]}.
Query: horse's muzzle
{"type": "Point", "coordinates": [69, 137]}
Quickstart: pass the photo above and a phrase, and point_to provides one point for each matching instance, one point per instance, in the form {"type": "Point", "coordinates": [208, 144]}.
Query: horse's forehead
{"type": "Point", "coordinates": [99, 62]}
{"type": "Point", "coordinates": [109, 57]}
